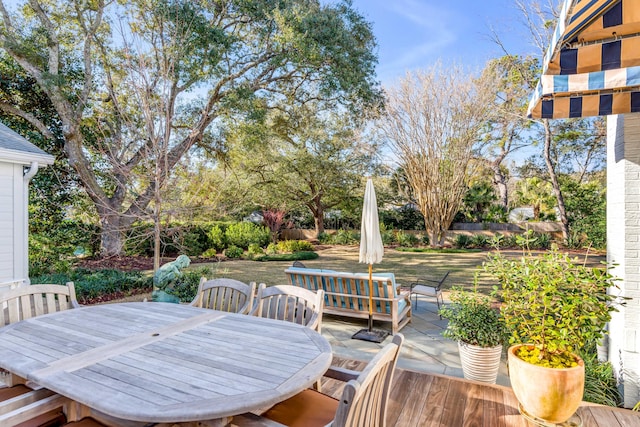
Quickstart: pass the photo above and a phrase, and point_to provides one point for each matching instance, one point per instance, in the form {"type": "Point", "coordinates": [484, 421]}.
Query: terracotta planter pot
{"type": "Point", "coordinates": [550, 394]}
{"type": "Point", "coordinates": [480, 363]}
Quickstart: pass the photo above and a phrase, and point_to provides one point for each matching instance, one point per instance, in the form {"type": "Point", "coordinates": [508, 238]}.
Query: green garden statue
{"type": "Point", "coordinates": [166, 275]}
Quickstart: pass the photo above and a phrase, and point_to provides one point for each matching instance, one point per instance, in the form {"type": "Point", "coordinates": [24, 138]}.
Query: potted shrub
{"type": "Point", "coordinates": [476, 324]}
{"type": "Point", "coordinates": [552, 307]}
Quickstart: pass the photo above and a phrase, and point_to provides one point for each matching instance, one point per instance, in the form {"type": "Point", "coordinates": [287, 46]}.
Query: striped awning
{"type": "Point", "coordinates": [592, 66]}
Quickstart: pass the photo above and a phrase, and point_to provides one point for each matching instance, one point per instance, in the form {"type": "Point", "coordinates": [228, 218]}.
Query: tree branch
{"type": "Point", "coordinates": [42, 128]}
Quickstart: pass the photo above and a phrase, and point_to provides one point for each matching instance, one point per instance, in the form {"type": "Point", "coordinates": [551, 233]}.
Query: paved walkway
{"type": "Point", "coordinates": [424, 349]}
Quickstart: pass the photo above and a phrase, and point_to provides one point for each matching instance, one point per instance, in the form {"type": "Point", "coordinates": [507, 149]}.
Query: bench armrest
{"type": "Point", "coordinates": [341, 374]}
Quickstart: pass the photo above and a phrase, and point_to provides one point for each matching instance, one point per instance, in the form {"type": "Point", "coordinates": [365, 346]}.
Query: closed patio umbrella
{"type": "Point", "coordinates": [371, 251]}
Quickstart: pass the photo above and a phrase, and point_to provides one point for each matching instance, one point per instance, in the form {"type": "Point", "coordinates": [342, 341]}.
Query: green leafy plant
{"type": "Point", "coordinates": [242, 234]}
{"type": "Point", "coordinates": [53, 247]}
{"type": "Point", "coordinates": [324, 238]}
{"type": "Point", "coordinates": [462, 241]}
{"type": "Point", "coordinates": [295, 256]}
{"type": "Point", "coordinates": [216, 237]}
{"type": "Point", "coordinates": [209, 253]}
{"type": "Point", "coordinates": [479, 240]}
{"type": "Point", "coordinates": [543, 241]}
{"type": "Point", "coordinates": [552, 302]}
{"type": "Point", "coordinates": [271, 249]}
{"type": "Point", "coordinates": [473, 318]}
{"type": "Point", "coordinates": [345, 237]}
{"type": "Point", "coordinates": [290, 246]}
{"type": "Point", "coordinates": [600, 385]}
{"type": "Point", "coordinates": [388, 237]}
{"type": "Point", "coordinates": [100, 285]}
{"type": "Point", "coordinates": [186, 287]}
{"type": "Point", "coordinates": [233, 252]}
{"type": "Point", "coordinates": [255, 249]}
{"type": "Point", "coordinates": [406, 239]}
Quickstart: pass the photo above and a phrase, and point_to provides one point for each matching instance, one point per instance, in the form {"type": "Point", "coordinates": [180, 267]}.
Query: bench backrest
{"type": "Point", "coordinates": [347, 290]}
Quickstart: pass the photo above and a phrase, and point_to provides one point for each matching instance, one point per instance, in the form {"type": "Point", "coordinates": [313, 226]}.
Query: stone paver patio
{"type": "Point", "coordinates": [424, 350]}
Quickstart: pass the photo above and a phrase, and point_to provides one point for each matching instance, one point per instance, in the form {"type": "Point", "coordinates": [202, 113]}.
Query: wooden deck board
{"type": "Point", "coordinates": [420, 399]}
{"type": "Point", "coordinates": [493, 410]}
{"type": "Point", "coordinates": [474, 405]}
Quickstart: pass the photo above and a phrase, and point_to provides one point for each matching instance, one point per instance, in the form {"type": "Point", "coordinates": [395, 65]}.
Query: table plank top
{"type": "Point", "coordinates": [159, 362]}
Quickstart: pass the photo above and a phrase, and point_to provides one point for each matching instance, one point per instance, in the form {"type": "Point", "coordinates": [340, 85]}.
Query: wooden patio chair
{"type": "Point", "coordinates": [23, 406]}
{"type": "Point", "coordinates": [25, 302]}
{"type": "Point", "coordinates": [18, 402]}
{"type": "Point", "coordinates": [20, 406]}
{"type": "Point", "coordinates": [290, 303]}
{"type": "Point", "coordinates": [225, 295]}
{"type": "Point", "coordinates": [363, 402]}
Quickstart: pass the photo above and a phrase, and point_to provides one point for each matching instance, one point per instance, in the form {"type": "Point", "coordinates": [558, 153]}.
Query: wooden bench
{"type": "Point", "coordinates": [347, 294]}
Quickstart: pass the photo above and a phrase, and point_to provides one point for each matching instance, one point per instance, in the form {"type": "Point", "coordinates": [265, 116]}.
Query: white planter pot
{"type": "Point", "coordinates": [480, 363]}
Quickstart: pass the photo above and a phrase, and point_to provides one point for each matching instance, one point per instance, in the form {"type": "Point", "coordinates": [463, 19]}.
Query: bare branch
{"type": "Point", "coordinates": [42, 128]}
{"type": "Point", "coordinates": [52, 43]}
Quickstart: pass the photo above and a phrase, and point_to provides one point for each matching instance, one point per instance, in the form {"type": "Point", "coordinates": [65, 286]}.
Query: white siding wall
{"type": "Point", "coordinates": [623, 247]}
{"type": "Point", "coordinates": [7, 230]}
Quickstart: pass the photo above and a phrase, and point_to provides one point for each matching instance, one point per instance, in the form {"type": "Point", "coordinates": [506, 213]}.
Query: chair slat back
{"type": "Point", "coordinates": [290, 303]}
{"type": "Point", "coordinates": [364, 400]}
{"type": "Point", "coordinates": [30, 301]}
{"type": "Point", "coordinates": [225, 295]}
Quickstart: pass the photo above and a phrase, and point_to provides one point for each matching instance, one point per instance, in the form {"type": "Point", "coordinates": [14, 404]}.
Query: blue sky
{"type": "Point", "coordinates": [413, 34]}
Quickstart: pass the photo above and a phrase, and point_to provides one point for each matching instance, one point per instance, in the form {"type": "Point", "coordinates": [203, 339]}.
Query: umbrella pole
{"type": "Point", "coordinates": [370, 297]}
{"type": "Point", "coordinates": [369, 334]}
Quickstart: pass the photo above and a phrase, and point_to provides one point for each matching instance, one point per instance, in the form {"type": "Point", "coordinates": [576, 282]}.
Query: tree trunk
{"type": "Point", "coordinates": [156, 243]}
{"type": "Point", "coordinates": [501, 184]}
{"type": "Point", "coordinates": [319, 222]}
{"type": "Point", "coordinates": [111, 242]}
{"type": "Point", "coordinates": [554, 180]}
{"type": "Point", "coordinates": [435, 238]}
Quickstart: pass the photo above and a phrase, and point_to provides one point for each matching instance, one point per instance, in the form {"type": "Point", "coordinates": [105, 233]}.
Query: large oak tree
{"type": "Point", "coordinates": [306, 158]}
{"type": "Point", "coordinates": [136, 84]}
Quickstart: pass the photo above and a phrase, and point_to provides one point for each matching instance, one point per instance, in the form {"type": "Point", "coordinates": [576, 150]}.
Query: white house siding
{"type": "Point", "coordinates": [7, 222]}
{"type": "Point", "coordinates": [623, 247]}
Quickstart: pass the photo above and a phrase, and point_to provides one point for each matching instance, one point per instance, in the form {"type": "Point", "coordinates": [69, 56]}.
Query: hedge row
{"type": "Point", "coordinates": [99, 285]}
{"type": "Point", "coordinates": [529, 239]}
{"type": "Point", "coordinates": [196, 239]}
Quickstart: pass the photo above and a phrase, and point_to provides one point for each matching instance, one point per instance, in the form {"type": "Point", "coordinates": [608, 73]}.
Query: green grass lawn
{"type": "Point", "coordinates": [406, 266]}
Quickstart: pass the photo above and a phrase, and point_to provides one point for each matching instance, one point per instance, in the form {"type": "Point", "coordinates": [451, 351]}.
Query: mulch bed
{"type": "Point", "coordinates": [131, 263]}
{"type": "Point", "coordinates": [115, 296]}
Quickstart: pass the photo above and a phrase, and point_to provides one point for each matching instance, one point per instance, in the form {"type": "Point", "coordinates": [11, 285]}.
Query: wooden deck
{"type": "Point", "coordinates": [420, 399]}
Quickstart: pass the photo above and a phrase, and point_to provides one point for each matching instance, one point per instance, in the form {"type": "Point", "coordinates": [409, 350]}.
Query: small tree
{"type": "Point", "coordinates": [536, 193]}
{"type": "Point", "coordinates": [477, 200]}
{"type": "Point", "coordinates": [432, 122]}
{"type": "Point", "coordinates": [503, 132]}
{"type": "Point", "coordinates": [587, 210]}
{"type": "Point", "coordinates": [274, 219]}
